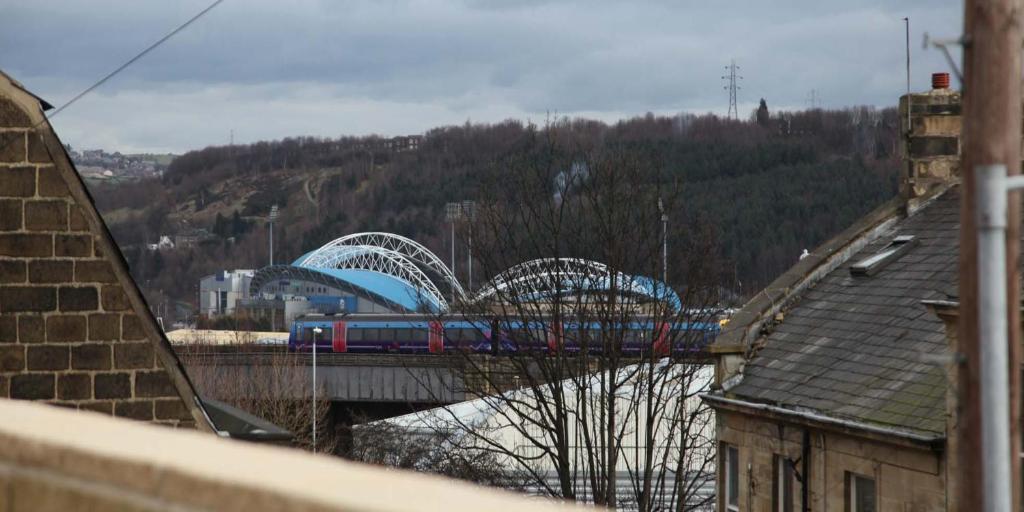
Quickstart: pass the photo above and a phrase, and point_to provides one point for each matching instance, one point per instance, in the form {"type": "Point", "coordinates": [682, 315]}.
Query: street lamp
{"type": "Point", "coordinates": [316, 337]}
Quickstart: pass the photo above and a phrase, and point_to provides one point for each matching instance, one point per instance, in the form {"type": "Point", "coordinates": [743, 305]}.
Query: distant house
{"type": "Point", "coordinates": [193, 238]}
{"type": "Point", "coordinates": [831, 385]}
{"type": "Point", "coordinates": [164, 243]}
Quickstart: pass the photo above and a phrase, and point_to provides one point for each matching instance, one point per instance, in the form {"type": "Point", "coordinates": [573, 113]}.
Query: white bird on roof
{"type": "Point", "coordinates": [805, 254]}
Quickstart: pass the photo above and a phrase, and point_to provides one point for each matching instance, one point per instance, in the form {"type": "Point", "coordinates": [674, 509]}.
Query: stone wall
{"type": "Point", "coordinates": [931, 146]}
{"type": "Point", "coordinates": [74, 330]}
{"type": "Point", "coordinates": [112, 465]}
{"type": "Point", "coordinates": [906, 477]}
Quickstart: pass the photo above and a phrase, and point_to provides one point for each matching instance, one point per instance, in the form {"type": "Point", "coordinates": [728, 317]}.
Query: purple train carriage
{"type": "Point", "coordinates": [369, 333]}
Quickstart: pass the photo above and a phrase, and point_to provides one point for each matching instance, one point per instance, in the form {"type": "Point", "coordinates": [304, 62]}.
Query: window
{"type": "Point", "coordinates": [731, 477]}
{"type": "Point", "coordinates": [782, 484]}
{"type": "Point", "coordinates": [223, 302]}
{"type": "Point", "coordinates": [860, 493]}
{"type": "Point", "coordinates": [355, 334]}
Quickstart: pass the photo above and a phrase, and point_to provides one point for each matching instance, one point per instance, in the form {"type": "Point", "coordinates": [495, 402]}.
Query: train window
{"type": "Point", "coordinates": [372, 335]}
{"type": "Point", "coordinates": [355, 334]}
{"type": "Point", "coordinates": [387, 334]}
{"type": "Point", "coordinates": [403, 334]}
{"type": "Point", "coordinates": [307, 334]}
{"type": "Point", "coordinates": [529, 336]}
{"type": "Point", "coordinates": [419, 334]}
{"type": "Point", "coordinates": [459, 335]}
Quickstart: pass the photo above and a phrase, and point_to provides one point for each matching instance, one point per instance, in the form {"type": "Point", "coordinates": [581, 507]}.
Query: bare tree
{"type": "Point", "coordinates": [387, 444]}
{"type": "Point", "coordinates": [591, 386]}
{"type": "Point", "coordinates": [275, 386]}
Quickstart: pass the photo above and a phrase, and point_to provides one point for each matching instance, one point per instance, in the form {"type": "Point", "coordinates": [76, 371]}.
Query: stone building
{"type": "Point", "coordinates": [831, 385]}
{"type": "Point", "coordinates": [74, 328]}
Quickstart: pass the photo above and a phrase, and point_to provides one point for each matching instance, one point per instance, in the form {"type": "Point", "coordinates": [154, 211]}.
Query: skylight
{"type": "Point", "coordinates": [872, 264]}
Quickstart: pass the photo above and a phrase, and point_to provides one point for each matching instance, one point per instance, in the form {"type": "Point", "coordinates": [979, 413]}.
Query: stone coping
{"type": "Point", "coordinates": [58, 459]}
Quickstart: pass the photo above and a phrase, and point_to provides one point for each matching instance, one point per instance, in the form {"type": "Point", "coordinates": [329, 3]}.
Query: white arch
{"type": "Point", "coordinates": [550, 275]}
{"type": "Point", "coordinates": [384, 261]}
{"type": "Point", "coordinates": [405, 247]}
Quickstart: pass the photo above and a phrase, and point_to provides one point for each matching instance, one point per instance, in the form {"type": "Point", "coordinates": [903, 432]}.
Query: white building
{"type": "Point", "coordinates": [503, 424]}
{"type": "Point", "coordinates": [220, 293]}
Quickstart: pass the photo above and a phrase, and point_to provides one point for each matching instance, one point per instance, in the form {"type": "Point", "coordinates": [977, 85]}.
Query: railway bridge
{"type": "Point", "coordinates": [358, 387]}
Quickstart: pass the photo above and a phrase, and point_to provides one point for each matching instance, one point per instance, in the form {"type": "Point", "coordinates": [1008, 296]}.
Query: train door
{"type": "Point", "coordinates": [661, 339]}
{"type": "Point", "coordinates": [339, 342]}
{"type": "Point", "coordinates": [555, 337]}
{"type": "Point", "coordinates": [435, 340]}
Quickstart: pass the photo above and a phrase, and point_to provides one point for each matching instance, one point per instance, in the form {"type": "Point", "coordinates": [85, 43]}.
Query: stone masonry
{"type": "Point", "coordinates": [931, 144]}
{"type": "Point", "coordinates": [70, 333]}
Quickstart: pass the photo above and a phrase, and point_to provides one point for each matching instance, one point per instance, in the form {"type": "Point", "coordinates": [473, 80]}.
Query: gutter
{"type": "Point", "coordinates": [814, 418]}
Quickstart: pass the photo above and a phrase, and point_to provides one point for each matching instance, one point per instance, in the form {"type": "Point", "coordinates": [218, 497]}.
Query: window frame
{"type": "Point", "coordinates": [730, 459]}
{"type": "Point", "coordinates": [782, 483]}
{"type": "Point", "coordinates": [852, 480]}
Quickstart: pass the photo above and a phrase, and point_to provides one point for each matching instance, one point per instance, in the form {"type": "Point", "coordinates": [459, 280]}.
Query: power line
{"type": "Point", "coordinates": [135, 58]}
{"type": "Point", "coordinates": [122, 67]}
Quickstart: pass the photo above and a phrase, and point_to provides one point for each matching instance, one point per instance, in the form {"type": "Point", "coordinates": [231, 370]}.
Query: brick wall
{"type": "Point", "coordinates": [69, 334]}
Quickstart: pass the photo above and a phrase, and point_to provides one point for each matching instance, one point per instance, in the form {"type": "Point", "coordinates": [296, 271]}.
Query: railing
{"type": "Point", "coordinates": [323, 359]}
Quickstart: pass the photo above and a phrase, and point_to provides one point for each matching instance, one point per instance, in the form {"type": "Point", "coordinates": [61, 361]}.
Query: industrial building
{"type": "Point", "coordinates": [220, 293]}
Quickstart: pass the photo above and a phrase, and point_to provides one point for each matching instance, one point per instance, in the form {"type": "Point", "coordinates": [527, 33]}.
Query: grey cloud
{"type": "Point", "coordinates": [456, 59]}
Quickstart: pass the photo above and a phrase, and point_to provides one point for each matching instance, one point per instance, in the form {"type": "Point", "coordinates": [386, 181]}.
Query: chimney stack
{"type": "Point", "coordinates": [931, 143]}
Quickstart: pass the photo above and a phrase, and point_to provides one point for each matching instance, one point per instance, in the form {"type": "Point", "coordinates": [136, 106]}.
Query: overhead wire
{"type": "Point", "coordinates": [120, 68]}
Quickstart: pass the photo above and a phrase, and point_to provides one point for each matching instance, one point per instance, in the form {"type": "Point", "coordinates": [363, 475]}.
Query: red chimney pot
{"type": "Point", "coordinates": [940, 80]}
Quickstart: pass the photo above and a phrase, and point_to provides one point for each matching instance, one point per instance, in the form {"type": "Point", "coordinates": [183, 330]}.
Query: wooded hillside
{"type": "Point", "coordinates": [769, 187]}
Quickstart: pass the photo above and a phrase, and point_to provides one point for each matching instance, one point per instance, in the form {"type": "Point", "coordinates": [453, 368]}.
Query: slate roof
{"type": "Point", "coordinates": [864, 348]}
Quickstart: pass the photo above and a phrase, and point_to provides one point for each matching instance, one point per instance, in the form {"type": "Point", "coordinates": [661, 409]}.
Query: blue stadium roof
{"type": "Point", "coordinates": [389, 287]}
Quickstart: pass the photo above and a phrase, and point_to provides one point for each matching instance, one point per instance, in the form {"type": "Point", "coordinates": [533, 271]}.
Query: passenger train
{"type": "Point", "coordinates": [362, 333]}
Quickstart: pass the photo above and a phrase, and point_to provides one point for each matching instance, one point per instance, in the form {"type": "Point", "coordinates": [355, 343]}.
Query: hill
{"type": "Point", "coordinates": [770, 188]}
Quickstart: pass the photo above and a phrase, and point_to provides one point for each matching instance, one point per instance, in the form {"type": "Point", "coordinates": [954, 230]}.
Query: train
{"type": "Point", "coordinates": [431, 334]}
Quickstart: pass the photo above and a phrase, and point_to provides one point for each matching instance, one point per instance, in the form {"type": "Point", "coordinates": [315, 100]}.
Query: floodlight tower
{"type": "Point", "coordinates": [469, 212]}
{"type": "Point", "coordinates": [452, 213]}
{"type": "Point", "coordinates": [732, 77]}
{"type": "Point", "coordinates": [272, 218]}
{"type": "Point", "coordinates": [664, 242]}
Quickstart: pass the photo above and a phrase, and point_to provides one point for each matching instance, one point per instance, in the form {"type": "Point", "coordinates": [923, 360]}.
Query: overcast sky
{"type": "Point", "coordinates": [269, 69]}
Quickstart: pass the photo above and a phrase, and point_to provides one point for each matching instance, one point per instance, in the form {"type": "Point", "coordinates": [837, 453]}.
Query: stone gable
{"type": "Point", "coordinates": [74, 329]}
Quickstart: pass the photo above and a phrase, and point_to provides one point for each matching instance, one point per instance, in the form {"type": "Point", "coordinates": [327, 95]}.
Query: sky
{"type": "Point", "coordinates": [267, 69]}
